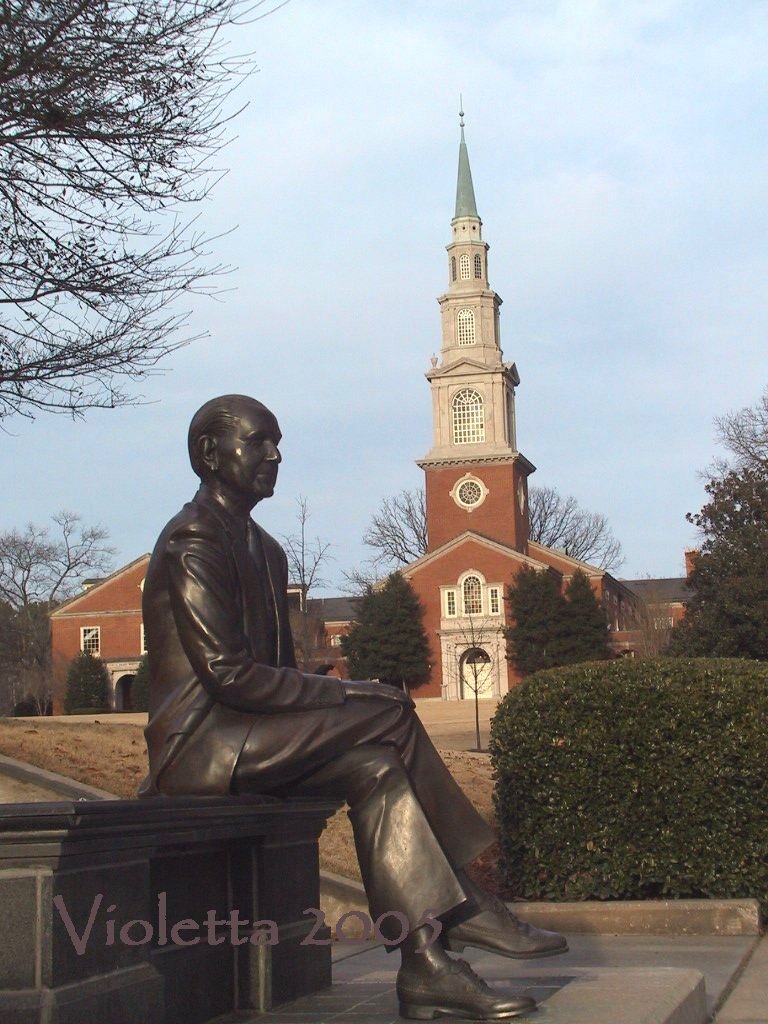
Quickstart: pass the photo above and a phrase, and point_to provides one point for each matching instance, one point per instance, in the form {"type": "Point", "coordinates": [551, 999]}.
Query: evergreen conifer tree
{"type": "Point", "coordinates": [537, 607]}
{"type": "Point", "coordinates": [140, 688]}
{"type": "Point", "coordinates": [387, 640]}
{"type": "Point", "coordinates": [87, 684]}
{"type": "Point", "coordinates": [585, 633]}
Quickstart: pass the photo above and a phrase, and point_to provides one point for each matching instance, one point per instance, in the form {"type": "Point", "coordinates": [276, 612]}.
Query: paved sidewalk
{"type": "Point", "coordinates": [747, 1001]}
{"type": "Point", "coordinates": [612, 980]}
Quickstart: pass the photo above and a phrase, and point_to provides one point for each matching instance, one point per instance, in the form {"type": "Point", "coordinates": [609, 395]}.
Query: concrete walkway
{"type": "Point", "coordinates": [603, 979]}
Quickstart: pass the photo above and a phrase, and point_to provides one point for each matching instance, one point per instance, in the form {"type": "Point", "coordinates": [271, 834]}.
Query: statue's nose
{"type": "Point", "coordinates": [272, 454]}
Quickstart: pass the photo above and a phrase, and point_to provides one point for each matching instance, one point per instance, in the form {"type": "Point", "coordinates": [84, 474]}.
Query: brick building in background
{"type": "Point", "coordinates": [104, 620]}
{"type": "Point", "coordinates": [476, 484]}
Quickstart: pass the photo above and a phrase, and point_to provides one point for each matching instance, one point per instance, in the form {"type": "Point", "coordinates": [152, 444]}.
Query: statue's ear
{"type": "Point", "coordinates": [209, 455]}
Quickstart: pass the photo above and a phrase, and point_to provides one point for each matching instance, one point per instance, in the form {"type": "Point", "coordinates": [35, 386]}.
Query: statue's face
{"type": "Point", "coordinates": [247, 456]}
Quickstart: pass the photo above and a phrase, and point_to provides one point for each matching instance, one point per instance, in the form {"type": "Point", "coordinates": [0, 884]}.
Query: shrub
{"type": "Point", "coordinates": [635, 780]}
{"type": "Point", "coordinates": [140, 688]}
{"type": "Point", "coordinates": [87, 685]}
{"type": "Point", "coordinates": [27, 707]}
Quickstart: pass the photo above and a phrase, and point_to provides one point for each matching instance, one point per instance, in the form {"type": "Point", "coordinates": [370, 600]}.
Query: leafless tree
{"type": "Point", "coordinates": [654, 625]}
{"type": "Point", "coordinates": [558, 522]}
{"type": "Point", "coordinates": [306, 558]}
{"type": "Point", "coordinates": [38, 569]}
{"type": "Point", "coordinates": [745, 435]}
{"type": "Point", "coordinates": [398, 530]}
{"type": "Point", "coordinates": [110, 112]}
{"type": "Point", "coordinates": [473, 635]}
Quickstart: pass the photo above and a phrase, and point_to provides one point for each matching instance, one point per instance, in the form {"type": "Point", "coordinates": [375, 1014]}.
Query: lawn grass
{"type": "Point", "coordinates": [114, 757]}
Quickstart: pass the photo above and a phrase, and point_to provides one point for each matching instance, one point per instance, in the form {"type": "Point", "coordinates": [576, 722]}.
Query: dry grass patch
{"type": "Point", "coordinates": [114, 758]}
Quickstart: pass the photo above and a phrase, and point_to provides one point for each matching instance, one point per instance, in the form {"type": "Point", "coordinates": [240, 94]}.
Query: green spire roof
{"type": "Point", "coordinates": [465, 192]}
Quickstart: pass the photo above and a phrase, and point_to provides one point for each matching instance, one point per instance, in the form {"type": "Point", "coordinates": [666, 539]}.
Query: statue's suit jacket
{"type": "Point", "coordinates": [219, 647]}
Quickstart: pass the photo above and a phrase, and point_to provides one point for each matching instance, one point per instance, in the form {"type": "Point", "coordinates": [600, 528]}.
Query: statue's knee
{"type": "Point", "coordinates": [378, 768]}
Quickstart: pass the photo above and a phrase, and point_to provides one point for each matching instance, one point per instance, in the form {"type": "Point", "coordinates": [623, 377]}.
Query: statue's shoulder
{"type": "Point", "coordinates": [194, 523]}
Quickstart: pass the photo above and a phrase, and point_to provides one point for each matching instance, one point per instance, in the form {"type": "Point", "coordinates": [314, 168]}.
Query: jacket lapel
{"type": "Point", "coordinates": [272, 576]}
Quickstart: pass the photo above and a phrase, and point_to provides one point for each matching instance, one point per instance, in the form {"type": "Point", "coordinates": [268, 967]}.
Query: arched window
{"type": "Point", "coordinates": [464, 267]}
{"type": "Point", "coordinates": [468, 417]}
{"type": "Point", "coordinates": [472, 594]}
{"type": "Point", "coordinates": [465, 327]}
{"type": "Point", "coordinates": [478, 265]}
{"type": "Point", "coordinates": [453, 268]}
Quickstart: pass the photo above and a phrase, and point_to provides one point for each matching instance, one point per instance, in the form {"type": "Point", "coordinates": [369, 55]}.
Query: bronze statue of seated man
{"type": "Point", "coordinates": [231, 713]}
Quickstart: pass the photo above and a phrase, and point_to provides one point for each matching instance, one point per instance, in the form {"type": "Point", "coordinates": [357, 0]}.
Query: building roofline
{"type": "Point", "coordinates": [66, 606]}
{"type": "Point", "coordinates": [472, 535]}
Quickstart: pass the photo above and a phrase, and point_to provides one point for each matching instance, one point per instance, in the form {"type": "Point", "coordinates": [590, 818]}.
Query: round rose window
{"type": "Point", "coordinates": [469, 493]}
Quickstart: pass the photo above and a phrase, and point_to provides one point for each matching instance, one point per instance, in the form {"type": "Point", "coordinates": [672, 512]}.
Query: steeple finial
{"type": "Point", "coordinates": [465, 192]}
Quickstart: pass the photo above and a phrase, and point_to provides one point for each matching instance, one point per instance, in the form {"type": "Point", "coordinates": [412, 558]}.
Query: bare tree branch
{"type": "Point", "coordinates": [398, 530]}
{"type": "Point", "coordinates": [474, 634]}
{"type": "Point", "coordinates": [558, 522]}
{"type": "Point", "coordinates": [305, 561]}
{"type": "Point", "coordinates": [38, 569]}
{"type": "Point", "coordinates": [745, 435]}
{"type": "Point", "coordinates": [110, 113]}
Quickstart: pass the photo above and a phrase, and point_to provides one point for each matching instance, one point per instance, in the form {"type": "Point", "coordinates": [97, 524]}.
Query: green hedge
{"type": "Point", "coordinates": [635, 780]}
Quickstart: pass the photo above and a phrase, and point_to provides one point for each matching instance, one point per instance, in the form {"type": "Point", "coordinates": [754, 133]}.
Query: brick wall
{"type": "Point", "coordinates": [498, 516]}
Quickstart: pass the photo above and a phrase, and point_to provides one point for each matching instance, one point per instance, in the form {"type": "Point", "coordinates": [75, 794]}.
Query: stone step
{"type": "Point", "coordinates": [580, 996]}
{"type": "Point", "coordinates": [662, 995]}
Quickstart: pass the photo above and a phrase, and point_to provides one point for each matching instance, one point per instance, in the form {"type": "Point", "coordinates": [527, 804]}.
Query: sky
{"type": "Point", "coordinates": [618, 150]}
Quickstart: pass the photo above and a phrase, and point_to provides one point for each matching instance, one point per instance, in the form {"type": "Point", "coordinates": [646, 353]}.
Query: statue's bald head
{"type": "Point", "coordinates": [217, 417]}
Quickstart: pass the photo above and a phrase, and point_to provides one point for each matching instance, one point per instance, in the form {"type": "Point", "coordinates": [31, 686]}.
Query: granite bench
{"type": "Point", "coordinates": [164, 911]}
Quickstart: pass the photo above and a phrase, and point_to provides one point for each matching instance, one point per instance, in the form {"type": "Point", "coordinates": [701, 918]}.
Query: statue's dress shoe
{"type": "Point", "coordinates": [497, 930]}
{"type": "Point", "coordinates": [454, 990]}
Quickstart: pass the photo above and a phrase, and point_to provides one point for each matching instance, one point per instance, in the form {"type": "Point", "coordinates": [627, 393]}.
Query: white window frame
{"type": "Point", "coordinates": [471, 576]}
{"type": "Point", "coordinates": [494, 597]}
{"type": "Point", "coordinates": [94, 633]}
{"type": "Point", "coordinates": [465, 327]}
{"type": "Point", "coordinates": [478, 265]}
{"type": "Point", "coordinates": [143, 639]}
{"type": "Point", "coordinates": [451, 604]}
{"type": "Point", "coordinates": [468, 417]}
{"type": "Point", "coordinates": [464, 267]}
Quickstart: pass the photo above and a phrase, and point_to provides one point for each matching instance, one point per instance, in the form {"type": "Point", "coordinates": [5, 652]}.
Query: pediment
{"type": "Point", "coordinates": [470, 536]}
{"type": "Point", "coordinates": [463, 365]}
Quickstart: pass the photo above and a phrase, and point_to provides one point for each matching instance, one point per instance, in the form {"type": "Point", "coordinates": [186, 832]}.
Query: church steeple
{"type": "Point", "coordinates": [465, 192]}
{"type": "Point", "coordinates": [474, 458]}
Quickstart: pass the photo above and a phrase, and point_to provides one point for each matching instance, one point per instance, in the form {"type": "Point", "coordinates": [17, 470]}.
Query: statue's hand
{"type": "Point", "coordinates": [381, 691]}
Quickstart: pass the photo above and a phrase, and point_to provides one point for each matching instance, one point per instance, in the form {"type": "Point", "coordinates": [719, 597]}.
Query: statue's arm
{"type": "Point", "coordinates": [204, 602]}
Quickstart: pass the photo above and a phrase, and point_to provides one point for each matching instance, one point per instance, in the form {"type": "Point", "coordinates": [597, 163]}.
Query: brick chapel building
{"type": "Point", "coordinates": [476, 483]}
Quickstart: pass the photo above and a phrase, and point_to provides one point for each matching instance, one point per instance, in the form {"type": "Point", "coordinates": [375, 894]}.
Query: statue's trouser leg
{"type": "Point", "coordinates": [412, 823]}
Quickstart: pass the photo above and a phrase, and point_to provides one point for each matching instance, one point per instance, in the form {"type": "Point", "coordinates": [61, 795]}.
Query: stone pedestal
{"type": "Point", "coordinates": [193, 874]}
